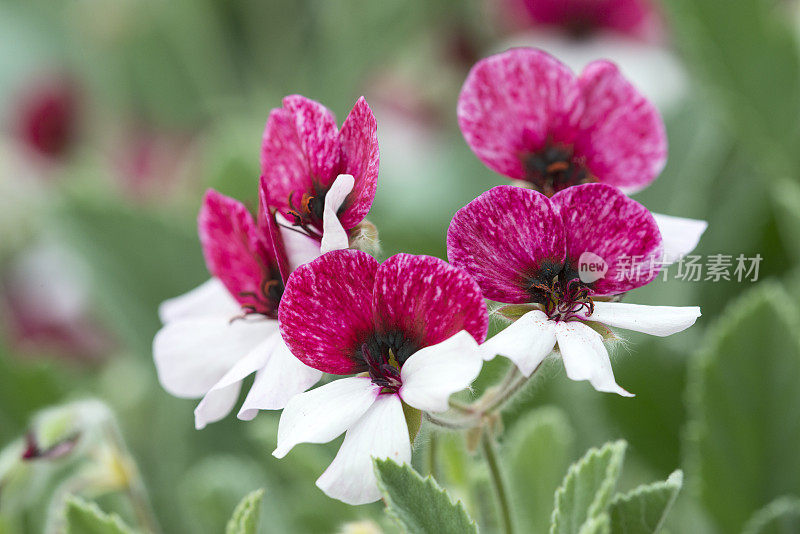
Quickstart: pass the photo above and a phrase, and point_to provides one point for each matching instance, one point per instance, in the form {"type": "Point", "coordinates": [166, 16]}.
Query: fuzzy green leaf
{"type": "Point", "coordinates": [643, 510]}
{"type": "Point", "coordinates": [781, 516]}
{"type": "Point", "coordinates": [419, 505]}
{"type": "Point", "coordinates": [245, 516]}
{"type": "Point", "coordinates": [538, 453]}
{"type": "Point", "coordinates": [744, 408]}
{"type": "Point", "coordinates": [600, 524]}
{"type": "Point", "coordinates": [587, 488]}
{"type": "Point", "coordinates": [83, 517]}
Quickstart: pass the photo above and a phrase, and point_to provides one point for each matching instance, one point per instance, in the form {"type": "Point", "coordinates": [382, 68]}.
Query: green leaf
{"type": "Point", "coordinates": [86, 518]}
{"type": "Point", "coordinates": [786, 199]}
{"type": "Point", "coordinates": [727, 48]}
{"type": "Point", "coordinates": [744, 408]}
{"type": "Point", "coordinates": [781, 516]}
{"type": "Point", "coordinates": [600, 524]}
{"type": "Point", "coordinates": [419, 505]}
{"type": "Point", "coordinates": [643, 510]}
{"type": "Point", "coordinates": [587, 488]}
{"type": "Point", "coordinates": [245, 516]}
{"type": "Point", "coordinates": [538, 453]}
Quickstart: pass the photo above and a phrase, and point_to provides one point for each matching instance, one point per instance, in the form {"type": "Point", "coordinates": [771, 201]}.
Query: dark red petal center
{"type": "Point", "coordinates": [384, 356]}
{"type": "Point", "coordinates": [265, 301]}
{"type": "Point", "coordinates": [555, 167]}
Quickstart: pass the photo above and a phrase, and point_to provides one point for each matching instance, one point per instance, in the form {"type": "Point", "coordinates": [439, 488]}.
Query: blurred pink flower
{"type": "Point", "coordinates": [638, 19]}
{"type": "Point", "coordinates": [46, 306]}
{"type": "Point", "coordinates": [48, 117]}
{"type": "Point", "coordinates": [528, 117]}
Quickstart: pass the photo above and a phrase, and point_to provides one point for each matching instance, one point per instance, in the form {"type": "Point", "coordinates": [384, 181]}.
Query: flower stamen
{"type": "Point", "coordinates": [564, 301]}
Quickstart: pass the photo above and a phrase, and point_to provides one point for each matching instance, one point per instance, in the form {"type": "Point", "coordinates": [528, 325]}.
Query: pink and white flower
{"type": "Point", "coordinates": [408, 328]}
{"type": "Point", "coordinates": [528, 117]}
{"type": "Point", "coordinates": [525, 248]}
{"type": "Point", "coordinates": [219, 333]}
{"type": "Point", "coordinates": [321, 179]}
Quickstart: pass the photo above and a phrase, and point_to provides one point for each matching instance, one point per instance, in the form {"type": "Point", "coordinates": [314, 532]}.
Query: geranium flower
{"type": "Point", "coordinates": [408, 327]}
{"type": "Point", "coordinates": [226, 329]}
{"type": "Point", "coordinates": [528, 117]}
{"type": "Point", "coordinates": [523, 248]}
{"type": "Point", "coordinates": [321, 179]}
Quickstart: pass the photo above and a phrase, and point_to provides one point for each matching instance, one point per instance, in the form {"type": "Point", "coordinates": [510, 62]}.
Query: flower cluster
{"type": "Point", "coordinates": [293, 296]}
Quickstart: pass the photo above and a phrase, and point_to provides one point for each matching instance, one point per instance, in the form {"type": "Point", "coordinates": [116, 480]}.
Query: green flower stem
{"type": "Point", "coordinates": [433, 447]}
{"type": "Point", "coordinates": [498, 483]}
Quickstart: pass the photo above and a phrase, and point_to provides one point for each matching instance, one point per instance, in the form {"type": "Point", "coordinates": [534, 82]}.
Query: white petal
{"type": "Point", "coordinates": [526, 342]}
{"type": "Point", "coordinates": [191, 355]}
{"type": "Point", "coordinates": [210, 408]}
{"type": "Point", "coordinates": [653, 320]}
{"type": "Point", "coordinates": [300, 248]}
{"type": "Point", "coordinates": [209, 298]}
{"type": "Point", "coordinates": [679, 235]}
{"type": "Point", "coordinates": [283, 377]}
{"type": "Point", "coordinates": [216, 405]}
{"type": "Point", "coordinates": [433, 373]}
{"type": "Point", "coordinates": [319, 415]}
{"type": "Point", "coordinates": [381, 432]}
{"type": "Point", "coordinates": [585, 357]}
{"type": "Point", "coordinates": [334, 236]}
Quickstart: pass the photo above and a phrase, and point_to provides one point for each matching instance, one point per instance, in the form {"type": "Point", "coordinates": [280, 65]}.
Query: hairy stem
{"type": "Point", "coordinates": [498, 482]}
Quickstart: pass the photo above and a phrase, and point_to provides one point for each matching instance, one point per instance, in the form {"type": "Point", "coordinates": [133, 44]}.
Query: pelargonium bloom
{"type": "Point", "coordinates": [219, 333]}
{"type": "Point", "coordinates": [321, 179]}
{"type": "Point", "coordinates": [525, 248]}
{"type": "Point", "coordinates": [528, 117]}
{"type": "Point", "coordinates": [408, 327]}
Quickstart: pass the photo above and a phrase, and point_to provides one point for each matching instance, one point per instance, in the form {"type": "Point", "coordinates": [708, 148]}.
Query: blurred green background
{"type": "Point", "coordinates": [160, 100]}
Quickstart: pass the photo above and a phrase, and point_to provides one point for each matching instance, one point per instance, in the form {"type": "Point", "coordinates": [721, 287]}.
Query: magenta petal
{"type": "Point", "coordinates": [284, 168]}
{"type": "Point", "coordinates": [232, 246]}
{"type": "Point", "coordinates": [318, 133]}
{"type": "Point", "coordinates": [600, 219]}
{"type": "Point", "coordinates": [326, 310]}
{"type": "Point", "coordinates": [510, 103]}
{"type": "Point", "coordinates": [427, 300]}
{"type": "Point", "coordinates": [269, 229]}
{"type": "Point", "coordinates": [507, 238]}
{"type": "Point", "coordinates": [620, 133]}
{"type": "Point", "coordinates": [359, 145]}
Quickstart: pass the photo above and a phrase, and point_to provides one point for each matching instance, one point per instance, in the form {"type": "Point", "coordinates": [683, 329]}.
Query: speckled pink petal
{"type": "Point", "coordinates": [318, 135]}
{"type": "Point", "coordinates": [285, 170]}
{"type": "Point", "coordinates": [619, 132]}
{"type": "Point", "coordinates": [326, 310]}
{"type": "Point", "coordinates": [427, 300]}
{"type": "Point", "coordinates": [360, 158]}
{"type": "Point", "coordinates": [510, 103]}
{"type": "Point", "coordinates": [232, 245]}
{"type": "Point", "coordinates": [600, 219]}
{"type": "Point", "coordinates": [507, 238]}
